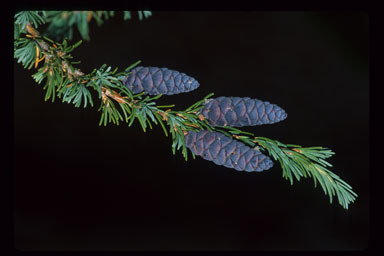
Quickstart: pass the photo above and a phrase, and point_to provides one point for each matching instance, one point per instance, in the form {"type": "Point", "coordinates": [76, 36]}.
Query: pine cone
{"type": "Point", "coordinates": [155, 81]}
{"type": "Point", "coordinates": [223, 150]}
{"type": "Point", "coordinates": [238, 112]}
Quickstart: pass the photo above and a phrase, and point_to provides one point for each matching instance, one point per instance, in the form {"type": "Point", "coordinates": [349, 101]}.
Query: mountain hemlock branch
{"type": "Point", "coordinates": [206, 128]}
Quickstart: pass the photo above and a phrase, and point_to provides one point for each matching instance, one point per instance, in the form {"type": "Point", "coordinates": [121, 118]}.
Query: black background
{"type": "Point", "coordinates": [79, 186]}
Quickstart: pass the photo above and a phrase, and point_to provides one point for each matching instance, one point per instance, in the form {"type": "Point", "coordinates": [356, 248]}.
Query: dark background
{"type": "Point", "coordinates": [79, 186]}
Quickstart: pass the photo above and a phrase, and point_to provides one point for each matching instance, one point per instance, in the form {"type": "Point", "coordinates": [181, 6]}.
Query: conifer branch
{"type": "Point", "coordinates": [62, 23]}
{"type": "Point", "coordinates": [54, 64]}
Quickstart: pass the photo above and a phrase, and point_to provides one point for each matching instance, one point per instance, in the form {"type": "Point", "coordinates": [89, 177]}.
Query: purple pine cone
{"type": "Point", "coordinates": [238, 112]}
{"type": "Point", "coordinates": [156, 81]}
{"type": "Point", "coordinates": [223, 150]}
